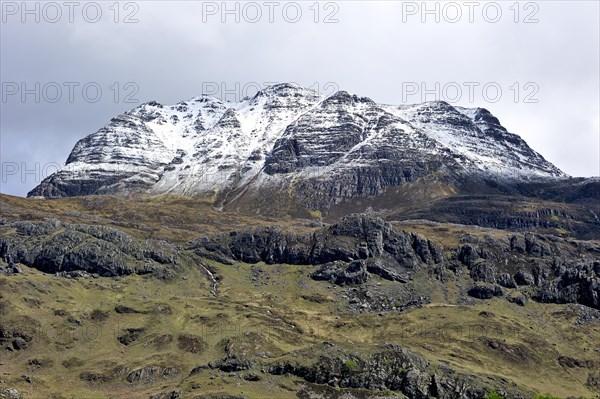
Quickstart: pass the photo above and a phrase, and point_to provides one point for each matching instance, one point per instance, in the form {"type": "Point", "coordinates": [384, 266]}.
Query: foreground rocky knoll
{"type": "Point", "coordinates": [388, 367]}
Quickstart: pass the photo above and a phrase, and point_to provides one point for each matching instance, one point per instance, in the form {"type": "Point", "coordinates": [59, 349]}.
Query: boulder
{"type": "Point", "coordinates": [481, 291]}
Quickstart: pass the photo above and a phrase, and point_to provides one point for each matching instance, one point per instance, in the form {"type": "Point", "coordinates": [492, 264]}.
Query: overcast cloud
{"type": "Point", "coordinates": [548, 71]}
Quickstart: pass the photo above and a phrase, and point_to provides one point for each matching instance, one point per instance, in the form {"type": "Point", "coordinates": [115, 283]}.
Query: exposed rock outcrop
{"type": "Point", "coordinates": [389, 368]}
{"type": "Point", "coordinates": [545, 268]}
{"type": "Point", "coordinates": [54, 247]}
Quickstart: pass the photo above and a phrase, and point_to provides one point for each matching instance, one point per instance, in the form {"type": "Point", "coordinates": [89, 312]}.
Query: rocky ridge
{"type": "Point", "coordinates": [287, 137]}
{"type": "Point", "coordinates": [542, 267]}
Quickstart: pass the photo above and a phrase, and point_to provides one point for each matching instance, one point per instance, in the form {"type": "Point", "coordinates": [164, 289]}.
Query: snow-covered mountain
{"type": "Point", "coordinates": [340, 146]}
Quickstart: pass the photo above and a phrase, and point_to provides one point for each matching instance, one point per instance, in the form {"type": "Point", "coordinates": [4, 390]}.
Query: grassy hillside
{"type": "Point", "coordinates": [86, 337]}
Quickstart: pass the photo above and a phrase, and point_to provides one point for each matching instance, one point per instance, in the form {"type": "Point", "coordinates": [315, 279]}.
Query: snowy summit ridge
{"type": "Point", "coordinates": [344, 144]}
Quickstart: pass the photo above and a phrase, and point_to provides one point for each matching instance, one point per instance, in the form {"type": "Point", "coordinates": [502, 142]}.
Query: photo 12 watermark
{"type": "Point", "coordinates": [470, 92]}
{"type": "Point", "coordinates": [53, 12]}
{"type": "Point", "coordinates": [453, 12]}
{"type": "Point", "coordinates": [253, 12]}
{"type": "Point", "coordinates": [27, 172]}
{"type": "Point", "coordinates": [239, 91]}
{"type": "Point", "coordinates": [33, 173]}
{"type": "Point", "coordinates": [69, 92]}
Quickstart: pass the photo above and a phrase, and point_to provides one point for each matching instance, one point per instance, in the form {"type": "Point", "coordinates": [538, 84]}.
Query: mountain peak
{"type": "Point", "coordinates": [284, 89]}
{"type": "Point", "coordinates": [344, 98]}
{"type": "Point", "coordinates": [288, 133]}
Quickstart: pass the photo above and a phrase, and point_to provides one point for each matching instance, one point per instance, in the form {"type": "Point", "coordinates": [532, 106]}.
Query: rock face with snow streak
{"type": "Point", "coordinates": [335, 147]}
{"type": "Point", "coordinates": [478, 139]}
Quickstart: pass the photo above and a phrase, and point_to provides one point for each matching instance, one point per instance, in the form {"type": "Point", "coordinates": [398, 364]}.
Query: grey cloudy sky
{"type": "Point", "coordinates": [534, 64]}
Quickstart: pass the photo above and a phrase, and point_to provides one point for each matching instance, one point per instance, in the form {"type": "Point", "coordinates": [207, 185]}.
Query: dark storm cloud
{"type": "Point", "coordinates": [378, 49]}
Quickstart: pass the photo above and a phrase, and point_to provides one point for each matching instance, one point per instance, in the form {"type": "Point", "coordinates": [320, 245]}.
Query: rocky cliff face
{"type": "Point", "coordinates": [543, 268]}
{"type": "Point", "coordinates": [70, 250]}
{"type": "Point", "coordinates": [477, 139]}
{"type": "Point", "coordinates": [325, 149]}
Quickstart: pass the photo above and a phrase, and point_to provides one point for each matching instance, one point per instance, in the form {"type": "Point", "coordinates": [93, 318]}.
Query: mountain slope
{"type": "Point", "coordinates": [343, 146]}
{"type": "Point", "coordinates": [165, 297]}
